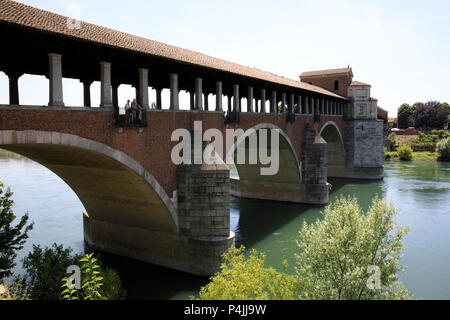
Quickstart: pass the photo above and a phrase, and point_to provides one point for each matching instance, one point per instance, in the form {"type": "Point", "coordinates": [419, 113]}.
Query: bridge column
{"type": "Point", "coordinates": [291, 103]}
{"type": "Point", "coordinates": [219, 96]}
{"type": "Point", "coordinates": [115, 94]}
{"type": "Point", "coordinates": [105, 85]}
{"type": "Point", "coordinates": [204, 209]}
{"type": "Point", "coordinates": [256, 104]}
{"type": "Point", "coordinates": [192, 100]}
{"type": "Point", "coordinates": [55, 80]}
{"type": "Point", "coordinates": [263, 101]}
{"type": "Point", "coordinates": [158, 97]}
{"type": "Point", "coordinates": [198, 94]}
{"type": "Point", "coordinates": [322, 106]}
{"type": "Point", "coordinates": [143, 88]}
{"type": "Point", "coordinates": [314, 166]}
{"type": "Point", "coordinates": [205, 96]}
{"type": "Point", "coordinates": [13, 78]}
{"type": "Point", "coordinates": [250, 99]}
{"type": "Point", "coordinates": [86, 92]}
{"type": "Point", "coordinates": [273, 102]}
{"type": "Point", "coordinates": [306, 105]}
{"type": "Point", "coordinates": [174, 94]}
{"type": "Point", "coordinates": [299, 104]}
{"type": "Point", "coordinates": [283, 102]}
{"type": "Point", "coordinates": [236, 105]}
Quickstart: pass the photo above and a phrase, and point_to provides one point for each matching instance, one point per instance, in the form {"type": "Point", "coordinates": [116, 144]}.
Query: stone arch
{"type": "Point", "coordinates": [285, 185]}
{"type": "Point", "coordinates": [335, 149]}
{"type": "Point", "coordinates": [112, 186]}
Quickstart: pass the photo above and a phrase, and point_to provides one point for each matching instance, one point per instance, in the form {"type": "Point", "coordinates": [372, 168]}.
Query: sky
{"type": "Point", "coordinates": [401, 48]}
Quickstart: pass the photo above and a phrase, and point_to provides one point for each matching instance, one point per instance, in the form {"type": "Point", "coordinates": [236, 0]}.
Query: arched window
{"type": "Point", "coordinates": [336, 85]}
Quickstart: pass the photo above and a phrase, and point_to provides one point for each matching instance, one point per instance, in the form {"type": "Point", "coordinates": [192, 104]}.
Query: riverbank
{"type": "Point", "coordinates": [416, 156]}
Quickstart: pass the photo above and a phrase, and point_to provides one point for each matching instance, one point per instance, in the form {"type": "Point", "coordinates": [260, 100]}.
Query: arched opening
{"type": "Point", "coordinates": [336, 85]}
{"type": "Point", "coordinates": [111, 186]}
{"type": "Point", "coordinates": [335, 149]}
{"type": "Point", "coordinates": [253, 177]}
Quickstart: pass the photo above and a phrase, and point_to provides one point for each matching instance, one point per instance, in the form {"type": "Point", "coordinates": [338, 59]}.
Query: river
{"type": "Point", "coordinates": [420, 191]}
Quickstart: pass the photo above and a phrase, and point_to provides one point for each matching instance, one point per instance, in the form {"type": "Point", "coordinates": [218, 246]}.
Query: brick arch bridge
{"type": "Point", "coordinates": [139, 203]}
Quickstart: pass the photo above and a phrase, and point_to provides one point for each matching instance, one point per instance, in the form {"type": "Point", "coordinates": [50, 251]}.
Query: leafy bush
{"type": "Point", "coordinates": [339, 254]}
{"type": "Point", "coordinates": [246, 278]}
{"type": "Point", "coordinates": [46, 267]}
{"type": "Point", "coordinates": [12, 238]}
{"type": "Point", "coordinates": [391, 140]}
{"type": "Point", "coordinates": [96, 284]}
{"type": "Point", "coordinates": [404, 152]}
{"type": "Point", "coordinates": [443, 149]}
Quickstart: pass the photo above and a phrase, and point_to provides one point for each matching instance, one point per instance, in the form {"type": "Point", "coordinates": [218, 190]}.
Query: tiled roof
{"type": "Point", "coordinates": [358, 84]}
{"type": "Point", "coordinates": [325, 72]}
{"type": "Point", "coordinates": [41, 20]}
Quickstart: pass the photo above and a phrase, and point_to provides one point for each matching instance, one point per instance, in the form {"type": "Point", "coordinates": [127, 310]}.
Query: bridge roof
{"type": "Point", "coordinates": [40, 20]}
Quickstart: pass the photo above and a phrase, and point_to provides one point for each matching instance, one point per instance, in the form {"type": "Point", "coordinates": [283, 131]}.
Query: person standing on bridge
{"type": "Point", "coordinates": [127, 112]}
{"type": "Point", "coordinates": [136, 111]}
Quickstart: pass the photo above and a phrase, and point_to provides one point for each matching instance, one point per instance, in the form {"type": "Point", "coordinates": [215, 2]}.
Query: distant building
{"type": "Point", "coordinates": [340, 81]}
{"type": "Point", "coordinates": [366, 125]}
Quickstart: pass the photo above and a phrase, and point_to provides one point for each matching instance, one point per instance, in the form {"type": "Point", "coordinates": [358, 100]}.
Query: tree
{"type": "Point", "coordinates": [431, 115]}
{"type": "Point", "coordinates": [405, 152]}
{"type": "Point", "coordinates": [12, 238]}
{"type": "Point", "coordinates": [45, 267]}
{"type": "Point", "coordinates": [351, 254]}
{"type": "Point", "coordinates": [244, 278]}
{"type": "Point", "coordinates": [405, 116]}
{"type": "Point", "coordinates": [443, 148]}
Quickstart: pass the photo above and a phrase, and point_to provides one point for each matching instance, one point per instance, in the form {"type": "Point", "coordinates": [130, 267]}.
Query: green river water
{"type": "Point", "coordinates": [420, 191]}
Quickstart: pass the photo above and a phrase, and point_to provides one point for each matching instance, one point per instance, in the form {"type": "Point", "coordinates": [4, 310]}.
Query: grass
{"type": "Point", "coordinates": [417, 156]}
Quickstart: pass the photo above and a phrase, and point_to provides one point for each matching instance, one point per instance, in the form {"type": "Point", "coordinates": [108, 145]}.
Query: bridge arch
{"type": "Point", "coordinates": [112, 186]}
{"type": "Point", "coordinates": [285, 185]}
{"type": "Point", "coordinates": [335, 149]}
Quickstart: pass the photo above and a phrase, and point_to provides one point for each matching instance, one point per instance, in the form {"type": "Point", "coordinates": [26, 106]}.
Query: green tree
{"type": "Point", "coordinates": [248, 279]}
{"type": "Point", "coordinates": [405, 152]}
{"type": "Point", "coordinates": [92, 281]}
{"type": "Point", "coordinates": [340, 255]}
{"type": "Point", "coordinates": [405, 116]}
{"type": "Point", "coordinates": [431, 115]}
{"type": "Point", "coordinates": [443, 148]}
{"type": "Point", "coordinates": [12, 238]}
{"type": "Point", "coordinates": [45, 267]}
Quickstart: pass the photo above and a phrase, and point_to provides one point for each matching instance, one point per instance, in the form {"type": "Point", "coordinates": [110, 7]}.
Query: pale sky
{"type": "Point", "coordinates": [401, 48]}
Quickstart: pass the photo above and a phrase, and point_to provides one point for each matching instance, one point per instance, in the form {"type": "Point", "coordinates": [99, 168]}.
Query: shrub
{"type": "Point", "coordinates": [46, 267]}
{"type": "Point", "coordinates": [404, 152]}
{"type": "Point", "coordinates": [391, 140]}
{"type": "Point", "coordinates": [244, 278]}
{"type": "Point", "coordinates": [340, 255]}
{"type": "Point", "coordinates": [443, 149]}
{"type": "Point", "coordinates": [12, 238]}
